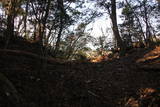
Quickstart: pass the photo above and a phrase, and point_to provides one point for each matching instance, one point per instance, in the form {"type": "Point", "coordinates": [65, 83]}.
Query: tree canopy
{"type": "Point", "coordinates": [51, 23]}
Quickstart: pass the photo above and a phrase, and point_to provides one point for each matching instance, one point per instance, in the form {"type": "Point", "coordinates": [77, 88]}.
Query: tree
{"type": "Point", "coordinates": [130, 29]}
{"type": "Point", "coordinates": [127, 26]}
{"type": "Point", "coordinates": [102, 42]}
{"type": "Point", "coordinates": [76, 41]}
{"type": "Point", "coordinates": [146, 9]}
{"type": "Point", "coordinates": [62, 18]}
{"type": "Point", "coordinates": [12, 8]}
{"type": "Point", "coordinates": [110, 6]}
{"type": "Point", "coordinates": [113, 16]}
{"type": "Point", "coordinates": [41, 11]}
{"type": "Point", "coordinates": [140, 36]}
{"type": "Point", "coordinates": [25, 19]}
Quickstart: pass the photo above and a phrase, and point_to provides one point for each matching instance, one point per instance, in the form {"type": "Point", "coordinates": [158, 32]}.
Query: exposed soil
{"type": "Point", "coordinates": [130, 81]}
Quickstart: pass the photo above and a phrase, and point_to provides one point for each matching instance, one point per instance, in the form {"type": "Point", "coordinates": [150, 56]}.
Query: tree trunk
{"type": "Point", "coordinates": [62, 16]}
{"type": "Point", "coordinates": [58, 38]}
{"type": "Point", "coordinates": [10, 25]}
{"type": "Point", "coordinates": [10, 22]}
{"type": "Point", "coordinates": [115, 28]}
{"type": "Point", "coordinates": [148, 32]}
{"type": "Point", "coordinates": [25, 20]}
{"type": "Point", "coordinates": [44, 20]}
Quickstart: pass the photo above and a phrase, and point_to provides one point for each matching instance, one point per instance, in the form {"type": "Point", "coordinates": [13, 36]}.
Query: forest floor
{"type": "Point", "coordinates": [130, 81]}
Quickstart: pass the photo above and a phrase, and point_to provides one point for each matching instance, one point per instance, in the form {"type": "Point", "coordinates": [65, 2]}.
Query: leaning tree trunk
{"type": "Point", "coordinates": [113, 16]}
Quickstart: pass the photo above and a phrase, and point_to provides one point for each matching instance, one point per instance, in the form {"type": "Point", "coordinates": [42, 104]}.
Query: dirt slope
{"type": "Point", "coordinates": [46, 82]}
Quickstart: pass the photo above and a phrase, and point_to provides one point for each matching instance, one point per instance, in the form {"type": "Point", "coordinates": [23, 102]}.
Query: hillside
{"type": "Point", "coordinates": [36, 81]}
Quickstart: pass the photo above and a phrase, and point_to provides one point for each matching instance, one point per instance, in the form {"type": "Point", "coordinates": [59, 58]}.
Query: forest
{"type": "Point", "coordinates": [56, 53]}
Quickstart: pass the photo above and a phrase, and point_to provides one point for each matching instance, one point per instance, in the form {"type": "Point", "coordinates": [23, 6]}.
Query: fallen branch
{"type": "Point", "coordinates": [29, 54]}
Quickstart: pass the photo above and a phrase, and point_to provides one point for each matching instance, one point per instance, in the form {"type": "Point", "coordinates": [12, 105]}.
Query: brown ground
{"type": "Point", "coordinates": [130, 81]}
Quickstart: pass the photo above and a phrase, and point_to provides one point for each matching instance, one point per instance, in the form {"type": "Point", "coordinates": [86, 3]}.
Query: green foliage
{"type": "Point", "coordinates": [127, 11]}
{"type": "Point", "coordinates": [80, 55]}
